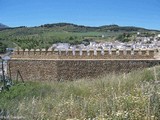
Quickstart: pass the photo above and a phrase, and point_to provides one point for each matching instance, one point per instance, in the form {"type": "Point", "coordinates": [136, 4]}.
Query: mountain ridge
{"type": "Point", "coordinates": [112, 27]}
{"type": "Point", "coordinates": [3, 26]}
{"type": "Point", "coordinates": [71, 27]}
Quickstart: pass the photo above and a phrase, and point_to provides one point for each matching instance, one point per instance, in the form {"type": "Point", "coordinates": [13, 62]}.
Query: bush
{"type": "Point", "coordinates": [119, 97]}
{"type": "Point", "coordinates": [2, 47]}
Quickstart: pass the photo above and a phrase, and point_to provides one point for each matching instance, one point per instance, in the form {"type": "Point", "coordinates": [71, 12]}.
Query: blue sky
{"type": "Point", "coordinates": [142, 13]}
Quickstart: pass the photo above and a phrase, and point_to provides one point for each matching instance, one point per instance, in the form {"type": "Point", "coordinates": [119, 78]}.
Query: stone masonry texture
{"type": "Point", "coordinates": [57, 70]}
{"type": "Point", "coordinates": [34, 69]}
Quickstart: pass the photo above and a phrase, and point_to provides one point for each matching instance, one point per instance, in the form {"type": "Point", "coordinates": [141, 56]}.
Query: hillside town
{"type": "Point", "coordinates": [139, 43]}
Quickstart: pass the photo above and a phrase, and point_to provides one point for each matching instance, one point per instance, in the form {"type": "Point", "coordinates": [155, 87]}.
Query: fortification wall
{"type": "Point", "coordinates": [70, 64]}
{"type": "Point", "coordinates": [51, 70]}
{"type": "Point", "coordinates": [40, 70]}
{"type": "Point", "coordinates": [85, 54]}
{"type": "Point", "coordinates": [35, 54]}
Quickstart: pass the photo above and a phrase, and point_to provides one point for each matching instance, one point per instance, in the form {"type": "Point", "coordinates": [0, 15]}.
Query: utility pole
{"type": "Point", "coordinates": [2, 59]}
{"type": "Point", "coordinates": [3, 77]}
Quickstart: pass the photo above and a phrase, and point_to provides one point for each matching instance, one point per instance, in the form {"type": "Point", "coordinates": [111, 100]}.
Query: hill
{"type": "Point", "coordinates": [45, 35]}
{"type": "Point", "coordinates": [80, 28]}
{"type": "Point", "coordinates": [2, 26]}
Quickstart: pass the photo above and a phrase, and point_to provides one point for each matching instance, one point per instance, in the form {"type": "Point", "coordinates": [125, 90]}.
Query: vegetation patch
{"type": "Point", "coordinates": [45, 35]}
{"type": "Point", "coordinates": [135, 95]}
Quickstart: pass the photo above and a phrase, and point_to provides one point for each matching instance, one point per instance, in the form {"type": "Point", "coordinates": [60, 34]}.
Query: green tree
{"type": "Point", "coordinates": [2, 47]}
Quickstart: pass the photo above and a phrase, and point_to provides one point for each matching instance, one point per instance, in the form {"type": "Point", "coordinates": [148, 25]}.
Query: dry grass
{"type": "Point", "coordinates": [133, 96]}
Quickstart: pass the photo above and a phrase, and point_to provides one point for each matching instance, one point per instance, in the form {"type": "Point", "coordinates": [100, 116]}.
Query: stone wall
{"type": "Point", "coordinates": [34, 69]}
{"type": "Point", "coordinates": [51, 70]}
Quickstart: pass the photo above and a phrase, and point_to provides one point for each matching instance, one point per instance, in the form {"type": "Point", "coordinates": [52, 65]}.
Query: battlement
{"type": "Point", "coordinates": [85, 54]}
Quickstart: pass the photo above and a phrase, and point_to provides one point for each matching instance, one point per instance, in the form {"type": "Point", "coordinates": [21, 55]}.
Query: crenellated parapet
{"type": "Point", "coordinates": [85, 53]}
{"type": "Point", "coordinates": [35, 54]}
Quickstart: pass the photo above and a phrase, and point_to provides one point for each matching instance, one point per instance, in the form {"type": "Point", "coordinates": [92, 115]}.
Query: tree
{"type": "Point", "coordinates": [2, 47]}
{"type": "Point", "coordinates": [125, 37]}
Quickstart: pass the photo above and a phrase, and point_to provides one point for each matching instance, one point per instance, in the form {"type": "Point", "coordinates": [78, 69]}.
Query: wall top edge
{"type": "Point", "coordinates": [49, 50]}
